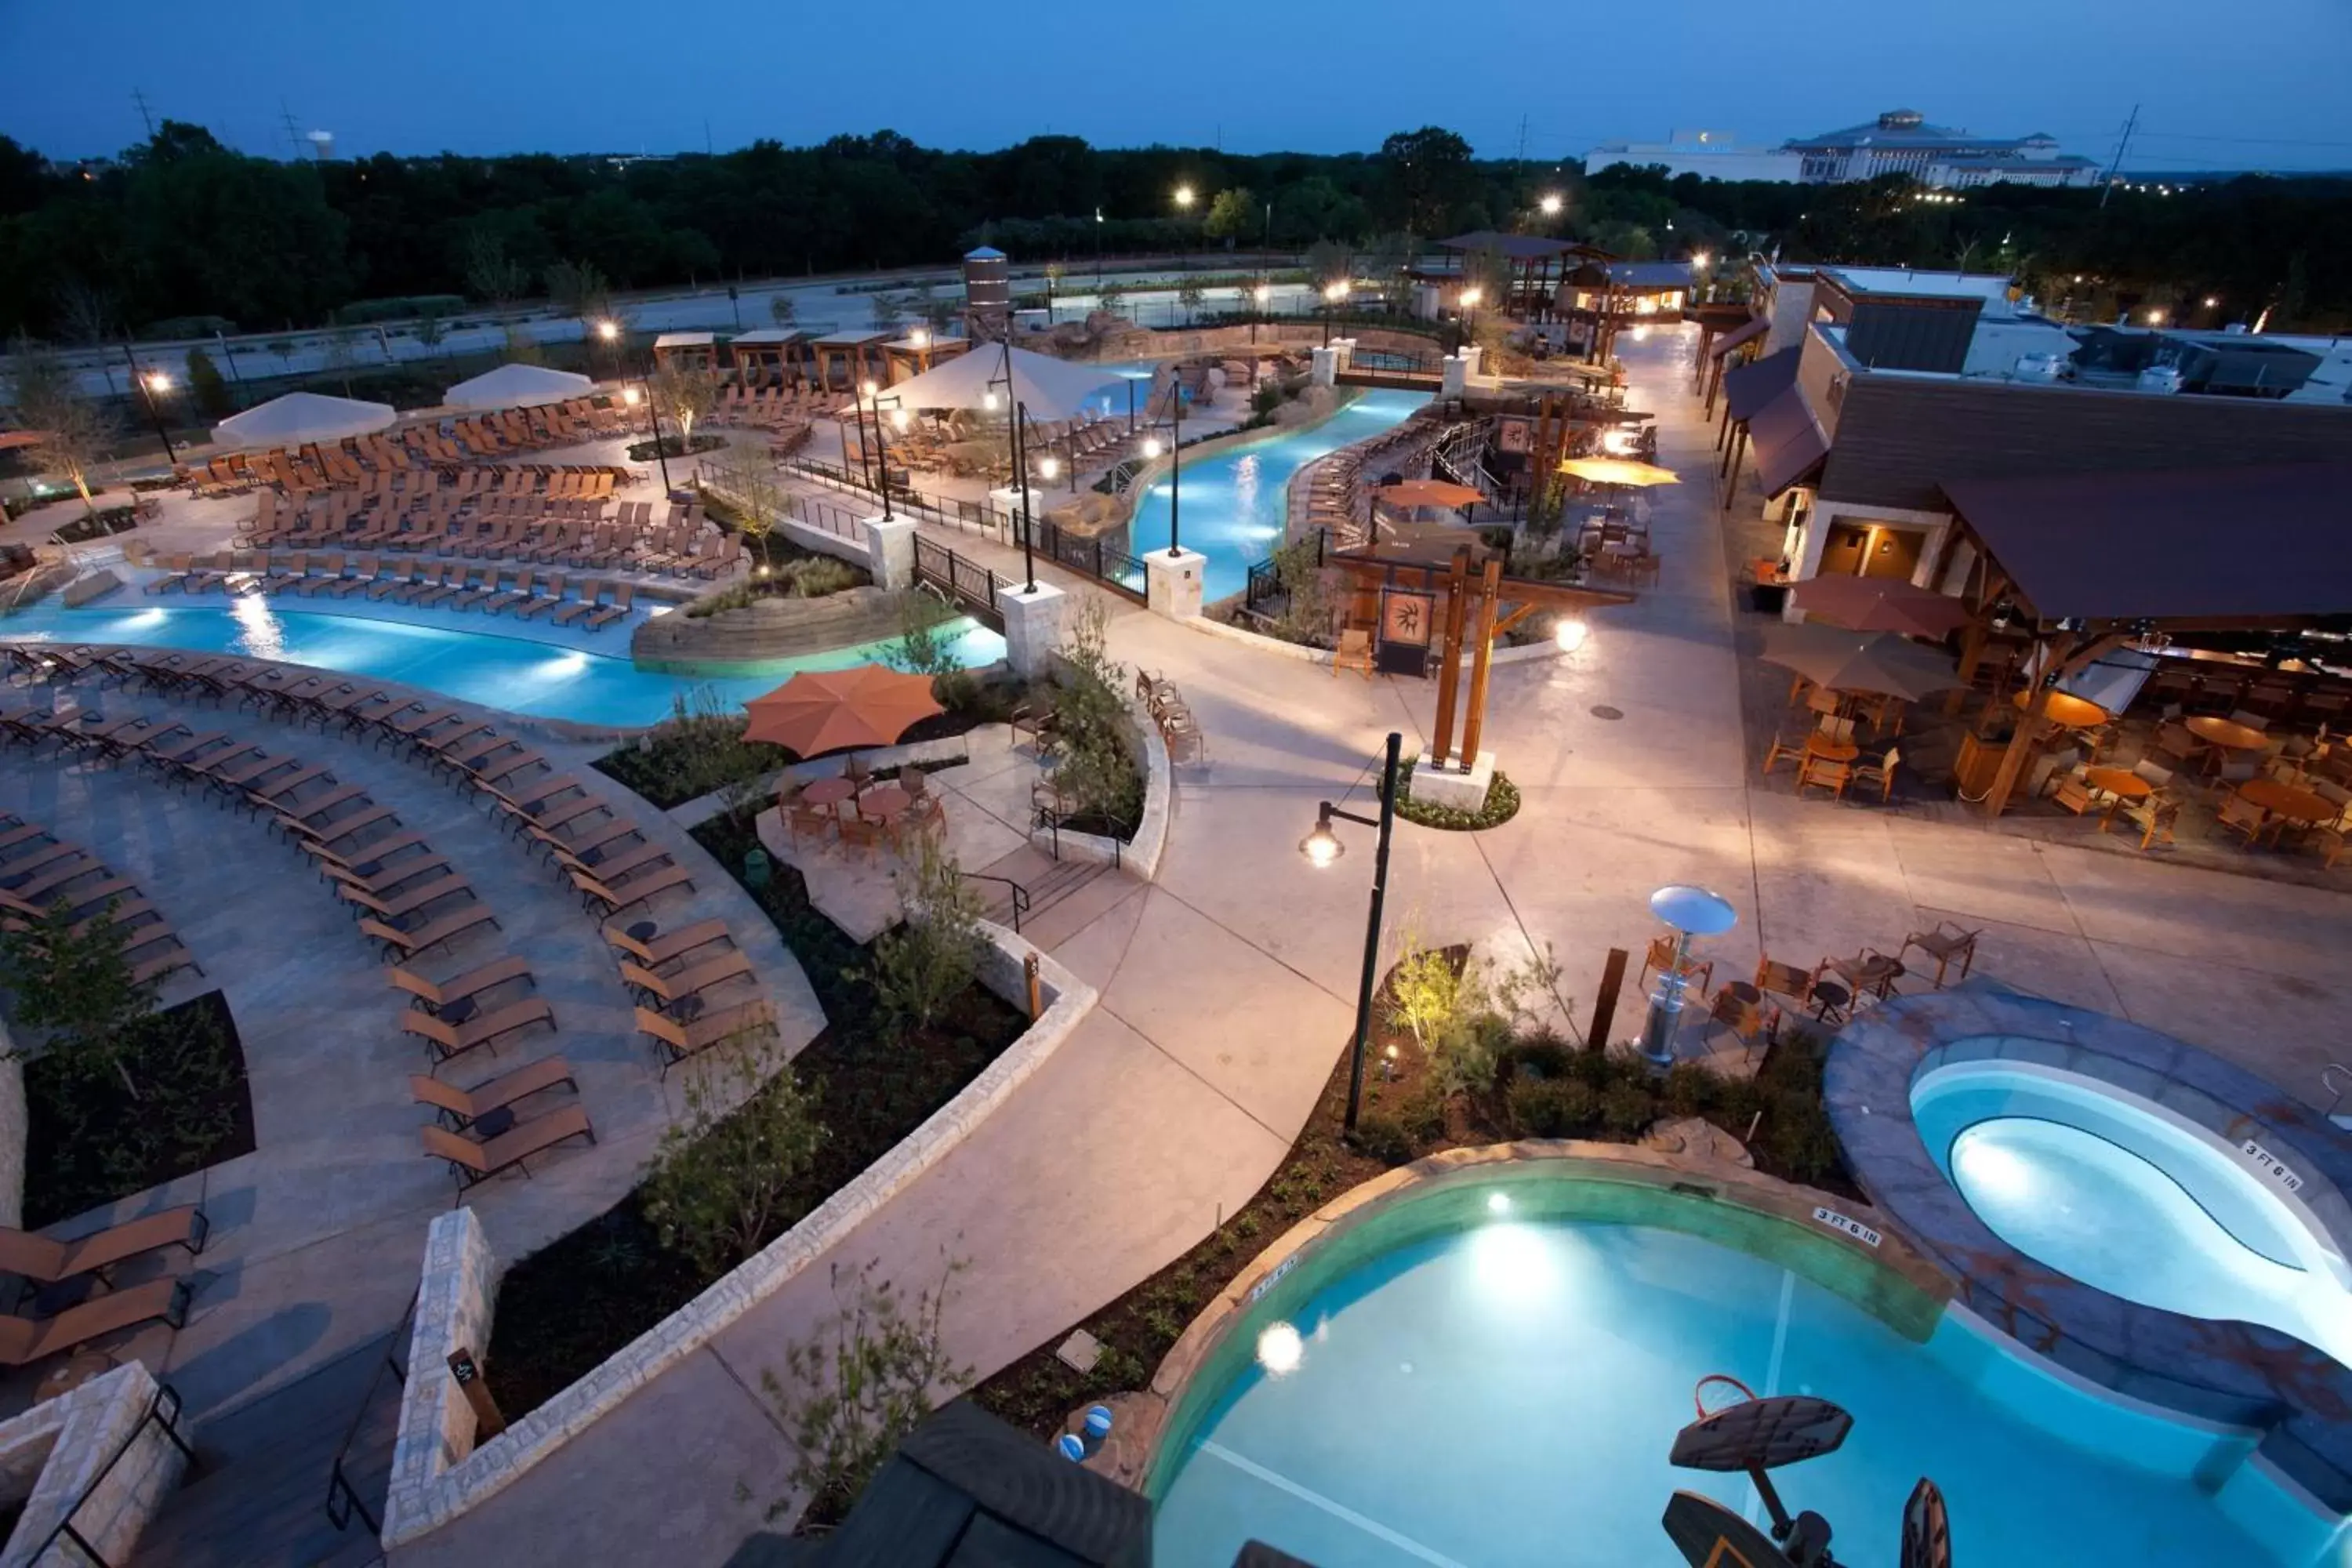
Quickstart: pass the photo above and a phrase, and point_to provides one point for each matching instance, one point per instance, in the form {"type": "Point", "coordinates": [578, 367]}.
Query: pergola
{"type": "Point", "coordinates": [687, 351]}
{"type": "Point", "coordinates": [910, 356]}
{"type": "Point", "coordinates": [772, 355]}
{"type": "Point", "coordinates": [1529, 261]}
{"type": "Point", "coordinates": [857, 351]}
{"type": "Point", "coordinates": [2086, 563]}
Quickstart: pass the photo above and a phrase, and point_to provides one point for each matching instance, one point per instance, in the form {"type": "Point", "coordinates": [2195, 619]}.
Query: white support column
{"type": "Point", "coordinates": [1471, 357]}
{"type": "Point", "coordinates": [890, 552]}
{"type": "Point", "coordinates": [1325, 367]}
{"type": "Point", "coordinates": [1033, 625]}
{"type": "Point", "coordinates": [1173, 579]}
{"type": "Point", "coordinates": [1454, 375]}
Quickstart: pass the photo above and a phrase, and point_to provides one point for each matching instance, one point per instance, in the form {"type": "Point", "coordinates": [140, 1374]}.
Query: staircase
{"type": "Point", "coordinates": [262, 1473]}
{"type": "Point", "coordinates": [1062, 896]}
{"type": "Point", "coordinates": [1457, 453]}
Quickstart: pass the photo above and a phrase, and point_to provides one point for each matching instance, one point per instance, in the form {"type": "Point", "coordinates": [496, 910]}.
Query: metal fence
{"type": "Point", "coordinates": [1265, 577]}
{"type": "Point", "coordinates": [965, 581]}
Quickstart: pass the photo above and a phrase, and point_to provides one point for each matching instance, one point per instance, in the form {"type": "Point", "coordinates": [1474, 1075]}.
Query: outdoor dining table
{"type": "Point", "coordinates": [1818, 744]}
{"type": "Point", "coordinates": [887, 804]}
{"type": "Point", "coordinates": [2226, 733]}
{"type": "Point", "coordinates": [2284, 800]}
{"type": "Point", "coordinates": [2066, 711]}
{"type": "Point", "coordinates": [2121, 783]}
{"type": "Point", "coordinates": [829, 791]}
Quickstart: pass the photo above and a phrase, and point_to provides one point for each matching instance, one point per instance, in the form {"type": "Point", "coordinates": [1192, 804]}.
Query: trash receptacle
{"type": "Point", "coordinates": [757, 869]}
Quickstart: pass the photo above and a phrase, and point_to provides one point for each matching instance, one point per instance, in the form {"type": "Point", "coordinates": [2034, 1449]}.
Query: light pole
{"type": "Point", "coordinates": [1333, 292]}
{"type": "Point", "coordinates": [1463, 328]}
{"type": "Point", "coordinates": [631, 397]}
{"type": "Point", "coordinates": [1690, 911]}
{"type": "Point", "coordinates": [1099, 222]}
{"type": "Point", "coordinates": [1321, 847]}
{"type": "Point", "coordinates": [608, 332]}
{"type": "Point", "coordinates": [1175, 461]}
{"type": "Point", "coordinates": [1020, 461]}
{"type": "Point", "coordinates": [865, 391]}
{"type": "Point", "coordinates": [1183, 237]}
{"type": "Point", "coordinates": [1258, 296]}
{"type": "Point", "coordinates": [882, 449]}
{"type": "Point", "coordinates": [152, 384]}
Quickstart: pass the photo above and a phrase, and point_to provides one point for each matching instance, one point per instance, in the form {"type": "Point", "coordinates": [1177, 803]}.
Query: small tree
{"type": "Point", "coordinates": [73, 431]}
{"type": "Point", "coordinates": [522, 348]}
{"type": "Point", "coordinates": [490, 273]}
{"type": "Point", "coordinates": [891, 311]}
{"type": "Point", "coordinates": [1189, 294]}
{"type": "Point", "coordinates": [76, 985]}
{"type": "Point", "coordinates": [922, 650]}
{"type": "Point", "coordinates": [686, 394]}
{"type": "Point", "coordinates": [1231, 213]}
{"type": "Point", "coordinates": [1055, 272]}
{"type": "Point", "coordinates": [342, 352]}
{"type": "Point", "coordinates": [1110, 298]}
{"type": "Point", "coordinates": [86, 313]}
{"type": "Point", "coordinates": [208, 387]}
{"type": "Point", "coordinates": [721, 1181]}
{"type": "Point", "coordinates": [858, 1387]}
{"type": "Point", "coordinates": [1306, 599]}
{"type": "Point", "coordinates": [1096, 768]}
{"type": "Point", "coordinates": [579, 289]}
{"type": "Point", "coordinates": [429, 329]}
{"type": "Point", "coordinates": [781, 309]}
{"type": "Point", "coordinates": [934, 955]}
{"type": "Point", "coordinates": [1326, 263]}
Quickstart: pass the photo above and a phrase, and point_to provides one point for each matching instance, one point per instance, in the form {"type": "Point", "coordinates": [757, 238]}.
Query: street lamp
{"type": "Point", "coordinates": [1258, 296]}
{"type": "Point", "coordinates": [153, 384]}
{"type": "Point", "coordinates": [1688, 912]}
{"type": "Point", "coordinates": [1322, 848]}
{"type": "Point", "coordinates": [1184, 239]}
{"type": "Point", "coordinates": [881, 447]}
{"type": "Point", "coordinates": [1175, 461]}
{"type": "Point", "coordinates": [1333, 292]}
{"type": "Point", "coordinates": [1551, 203]}
{"type": "Point", "coordinates": [1470, 297]}
{"type": "Point", "coordinates": [630, 396]}
{"type": "Point", "coordinates": [1099, 222]}
{"type": "Point", "coordinates": [1020, 460]}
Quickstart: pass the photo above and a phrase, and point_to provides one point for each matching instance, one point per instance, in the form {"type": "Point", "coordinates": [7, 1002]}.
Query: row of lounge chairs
{"type": "Point", "coordinates": [569, 533]}
{"type": "Point", "coordinates": [39, 871]}
{"type": "Point", "coordinates": [434, 585]}
{"type": "Point", "coordinates": [1339, 498]}
{"type": "Point", "coordinates": [475, 438]}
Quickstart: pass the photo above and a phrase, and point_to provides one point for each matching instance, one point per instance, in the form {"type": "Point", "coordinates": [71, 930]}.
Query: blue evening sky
{"type": "Point", "coordinates": [2257, 83]}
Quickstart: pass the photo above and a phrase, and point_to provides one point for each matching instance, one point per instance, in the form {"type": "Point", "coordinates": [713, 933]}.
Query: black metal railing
{"type": "Point", "coordinates": [343, 1499]}
{"type": "Point", "coordinates": [967, 582]}
{"type": "Point", "coordinates": [1265, 577]}
{"type": "Point", "coordinates": [1089, 555]}
{"type": "Point", "coordinates": [163, 1414]}
{"type": "Point", "coordinates": [978, 517]}
{"type": "Point", "coordinates": [1052, 822]}
{"type": "Point", "coordinates": [1020, 894]}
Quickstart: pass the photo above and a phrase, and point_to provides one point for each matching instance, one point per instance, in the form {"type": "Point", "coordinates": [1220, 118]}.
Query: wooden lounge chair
{"type": "Point", "coordinates": [471, 1162]}
{"type": "Point", "coordinates": [25, 1340]}
{"type": "Point", "coordinates": [449, 1040]}
{"type": "Point", "coordinates": [675, 989]}
{"type": "Point", "coordinates": [602, 616]}
{"type": "Point", "coordinates": [676, 944]}
{"type": "Point", "coordinates": [461, 1108]}
{"type": "Point", "coordinates": [408, 903]}
{"type": "Point", "coordinates": [44, 1261]}
{"type": "Point", "coordinates": [409, 943]}
{"type": "Point", "coordinates": [635, 891]}
{"type": "Point", "coordinates": [433, 998]}
{"type": "Point", "coordinates": [586, 602]}
{"type": "Point", "coordinates": [679, 1041]}
{"type": "Point", "coordinates": [1944, 943]}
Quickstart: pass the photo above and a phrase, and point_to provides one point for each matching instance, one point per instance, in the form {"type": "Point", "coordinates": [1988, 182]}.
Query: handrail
{"type": "Point", "coordinates": [1047, 817]}
{"type": "Point", "coordinates": [155, 1413]}
{"type": "Point", "coordinates": [339, 1489]}
{"type": "Point", "coordinates": [1020, 894]}
{"type": "Point", "coordinates": [2336, 1085]}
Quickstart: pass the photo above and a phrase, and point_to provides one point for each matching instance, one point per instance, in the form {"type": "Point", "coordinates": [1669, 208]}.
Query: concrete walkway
{"type": "Point", "coordinates": [1227, 985]}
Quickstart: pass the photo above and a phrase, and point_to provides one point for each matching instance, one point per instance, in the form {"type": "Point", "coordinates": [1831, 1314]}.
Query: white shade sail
{"type": "Point", "coordinates": [300, 417]}
{"type": "Point", "coordinates": [520, 387]}
{"type": "Point", "coordinates": [1050, 388]}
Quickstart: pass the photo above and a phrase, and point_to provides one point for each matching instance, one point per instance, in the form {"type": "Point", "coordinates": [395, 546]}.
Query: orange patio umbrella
{"type": "Point", "coordinates": [1429, 492]}
{"type": "Point", "coordinates": [1880, 604]}
{"type": "Point", "coordinates": [821, 710]}
{"type": "Point", "coordinates": [1618, 471]}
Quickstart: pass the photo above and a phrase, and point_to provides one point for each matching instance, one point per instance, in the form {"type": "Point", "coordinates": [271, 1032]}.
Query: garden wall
{"type": "Point", "coordinates": [434, 1482]}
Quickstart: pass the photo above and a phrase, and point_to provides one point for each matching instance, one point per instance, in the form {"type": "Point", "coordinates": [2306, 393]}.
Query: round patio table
{"type": "Point", "coordinates": [2227, 734]}
{"type": "Point", "coordinates": [2066, 712]}
{"type": "Point", "coordinates": [1820, 746]}
{"type": "Point", "coordinates": [888, 804]}
{"type": "Point", "coordinates": [2286, 800]}
{"type": "Point", "coordinates": [2121, 783]}
{"type": "Point", "coordinates": [829, 791]}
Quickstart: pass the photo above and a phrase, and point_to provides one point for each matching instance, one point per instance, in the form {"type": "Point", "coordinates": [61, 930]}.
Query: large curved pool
{"type": "Point", "coordinates": [2118, 1192]}
{"type": "Point", "coordinates": [1506, 1393]}
{"type": "Point", "coordinates": [549, 672]}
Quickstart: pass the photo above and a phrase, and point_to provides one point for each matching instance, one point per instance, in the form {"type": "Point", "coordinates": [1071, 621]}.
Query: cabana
{"type": "Point", "coordinates": [687, 351]}
{"type": "Point", "coordinates": [857, 353]}
{"type": "Point", "coordinates": [300, 418]}
{"type": "Point", "coordinates": [917, 352]}
{"type": "Point", "coordinates": [1529, 261]}
{"type": "Point", "coordinates": [772, 356]}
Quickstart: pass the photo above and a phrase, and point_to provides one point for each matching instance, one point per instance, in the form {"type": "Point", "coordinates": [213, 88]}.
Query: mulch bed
{"type": "Point", "coordinates": [576, 1301]}
{"type": "Point", "coordinates": [92, 1141]}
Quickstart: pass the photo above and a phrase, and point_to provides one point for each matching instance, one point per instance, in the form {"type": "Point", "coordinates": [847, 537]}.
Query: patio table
{"type": "Point", "coordinates": [1820, 746]}
{"type": "Point", "coordinates": [829, 791]}
{"type": "Point", "coordinates": [2066, 711]}
{"type": "Point", "coordinates": [2121, 783]}
{"type": "Point", "coordinates": [888, 804]}
{"type": "Point", "coordinates": [2226, 733]}
{"type": "Point", "coordinates": [2297, 805]}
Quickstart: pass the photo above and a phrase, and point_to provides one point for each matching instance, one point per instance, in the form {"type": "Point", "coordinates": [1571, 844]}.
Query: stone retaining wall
{"type": "Point", "coordinates": [52, 1453]}
{"type": "Point", "coordinates": [432, 1484]}
{"type": "Point", "coordinates": [768, 628]}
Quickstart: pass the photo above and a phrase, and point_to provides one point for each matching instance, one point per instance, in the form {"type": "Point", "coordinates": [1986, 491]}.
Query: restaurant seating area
{"type": "Point", "coordinates": [862, 811]}
{"type": "Point", "coordinates": [1752, 1014]}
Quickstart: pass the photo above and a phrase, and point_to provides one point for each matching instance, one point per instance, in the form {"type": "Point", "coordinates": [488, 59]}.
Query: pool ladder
{"type": "Point", "coordinates": [2336, 1080]}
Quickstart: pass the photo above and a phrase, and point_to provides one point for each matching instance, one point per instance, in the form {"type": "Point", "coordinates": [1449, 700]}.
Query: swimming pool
{"type": "Point", "coordinates": [1233, 505]}
{"type": "Point", "coordinates": [2119, 1193]}
{"type": "Point", "coordinates": [1505, 1390]}
{"type": "Point", "coordinates": [458, 658]}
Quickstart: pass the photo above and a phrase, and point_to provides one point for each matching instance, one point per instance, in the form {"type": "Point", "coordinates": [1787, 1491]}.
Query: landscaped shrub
{"type": "Point", "coordinates": [1552, 1108]}
{"type": "Point", "coordinates": [934, 955]}
{"type": "Point", "coordinates": [724, 1174]}
{"type": "Point", "coordinates": [1626, 1109]}
{"type": "Point", "coordinates": [1384, 1139]}
{"type": "Point", "coordinates": [1095, 764]}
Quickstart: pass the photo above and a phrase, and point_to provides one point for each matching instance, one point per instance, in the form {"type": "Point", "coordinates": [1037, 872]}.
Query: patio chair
{"type": "Point", "coordinates": [671, 946]}
{"type": "Point", "coordinates": [1820, 773]}
{"type": "Point", "coordinates": [2155, 816]}
{"type": "Point", "coordinates": [40, 1261]}
{"type": "Point", "coordinates": [617, 896]}
{"type": "Point", "coordinates": [1946, 943]}
{"type": "Point", "coordinates": [448, 1041]}
{"type": "Point", "coordinates": [2074, 794]}
{"type": "Point", "coordinates": [23, 1340]}
{"type": "Point", "coordinates": [459, 1109]}
{"type": "Point", "coordinates": [1354, 652]}
{"type": "Point", "coordinates": [1749, 1022]}
{"type": "Point", "coordinates": [678, 1042]}
{"type": "Point", "coordinates": [1776, 979]}
{"type": "Point", "coordinates": [2239, 815]}
{"type": "Point", "coordinates": [1660, 957]}
{"type": "Point", "coordinates": [430, 997]}
{"type": "Point", "coordinates": [1779, 749]}
{"type": "Point", "coordinates": [1880, 772]}
{"type": "Point", "coordinates": [423, 938]}
{"type": "Point", "coordinates": [472, 1162]}
{"type": "Point", "coordinates": [668, 991]}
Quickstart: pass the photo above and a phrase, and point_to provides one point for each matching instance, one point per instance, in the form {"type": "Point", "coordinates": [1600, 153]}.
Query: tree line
{"type": "Point", "coordinates": [180, 232]}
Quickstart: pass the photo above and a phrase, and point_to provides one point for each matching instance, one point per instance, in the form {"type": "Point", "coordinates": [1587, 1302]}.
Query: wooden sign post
{"type": "Point", "coordinates": [468, 1372]}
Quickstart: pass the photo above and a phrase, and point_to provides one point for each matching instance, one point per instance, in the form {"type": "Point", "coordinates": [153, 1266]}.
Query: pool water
{"type": "Point", "coordinates": [1233, 505]}
{"type": "Point", "coordinates": [1508, 1395]}
{"type": "Point", "coordinates": [2126, 1197]}
{"type": "Point", "coordinates": [458, 658]}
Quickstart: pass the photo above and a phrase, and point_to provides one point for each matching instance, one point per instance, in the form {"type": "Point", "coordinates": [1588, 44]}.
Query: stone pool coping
{"type": "Point", "coordinates": [1148, 1436]}
{"type": "Point", "coordinates": [2298, 1399]}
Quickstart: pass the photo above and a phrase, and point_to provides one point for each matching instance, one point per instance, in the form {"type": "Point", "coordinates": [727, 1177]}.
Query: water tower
{"type": "Point", "coordinates": [322, 145]}
{"type": "Point", "coordinates": [987, 295]}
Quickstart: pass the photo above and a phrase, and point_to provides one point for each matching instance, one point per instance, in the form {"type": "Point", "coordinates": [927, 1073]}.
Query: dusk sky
{"type": "Point", "coordinates": [2258, 83]}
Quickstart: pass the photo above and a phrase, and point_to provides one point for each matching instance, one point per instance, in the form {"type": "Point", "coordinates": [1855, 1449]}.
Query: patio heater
{"type": "Point", "coordinates": [1688, 912]}
{"type": "Point", "coordinates": [1321, 847]}
{"type": "Point", "coordinates": [1020, 462]}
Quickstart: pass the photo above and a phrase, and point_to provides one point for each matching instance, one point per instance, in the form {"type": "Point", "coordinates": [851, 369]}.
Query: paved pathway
{"type": "Point", "coordinates": [1226, 986]}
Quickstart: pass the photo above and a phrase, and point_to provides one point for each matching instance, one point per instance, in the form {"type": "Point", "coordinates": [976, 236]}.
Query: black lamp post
{"type": "Point", "coordinates": [150, 383]}
{"type": "Point", "coordinates": [1099, 222]}
{"type": "Point", "coordinates": [864, 453]}
{"type": "Point", "coordinates": [882, 457]}
{"type": "Point", "coordinates": [1020, 464]}
{"type": "Point", "coordinates": [1321, 847]}
{"type": "Point", "coordinates": [653, 421]}
{"type": "Point", "coordinates": [1175, 462]}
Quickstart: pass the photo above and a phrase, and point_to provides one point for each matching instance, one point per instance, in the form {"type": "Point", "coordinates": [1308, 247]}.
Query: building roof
{"type": "Point", "coordinates": [769, 335]}
{"type": "Point", "coordinates": [1788, 446]}
{"type": "Point", "coordinates": [1515, 247]}
{"type": "Point", "coordinates": [2151, 543]}
{"type": "Point", "coordinates": [1651, 274]}
{"type": "Point", "coordinates": [1906, 128]}
{"type": "Point", "coordinates": [966, 1491]}
{"type": "Point", "coordinates": [1747, 332]}
{"type": "Point", "coordinates": [1746, 388]}
{"type": "Point", "coordinates": [851, 337]}
{"type": "Point", "coordinates": [686, 341]}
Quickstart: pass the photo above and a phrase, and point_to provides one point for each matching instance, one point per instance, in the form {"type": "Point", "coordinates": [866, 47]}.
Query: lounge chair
{"type": "Point", "coordinates": [23, 1340]}
{"type": "Point", "coordinates": [408, 903]}
{"type": "Point", "coordinates": [423, 938]}
{"type": "Point", "coordinates": [455, 1039]}
{"type": "Point", "coordinates": [624, 593]}
{"type": "Point", "coordinates": [676, 944]}
{"type": "Point", "coordinates": [461, 1108]}
{"type": "Point", "coordinates": [436, 998]}
{"type": "Point", "coordinates": [44, 1261]}
{"type": "Point", "coordinates": [635, 891]}
{"type": "Point", "coordinates": [471, 1162]}
{"type": "Point", "coordinates": [586, 602]}
{"type": "Point", "coordinates": [679, 1041]}
{"type": "Point", "coordinates": [670, 990]}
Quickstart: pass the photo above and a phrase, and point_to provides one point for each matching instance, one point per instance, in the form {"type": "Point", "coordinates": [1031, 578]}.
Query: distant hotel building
{"type": "Point", "coordinates": [1899, 141]}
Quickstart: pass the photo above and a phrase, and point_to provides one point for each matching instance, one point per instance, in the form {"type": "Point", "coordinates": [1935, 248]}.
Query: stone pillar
{"type": "Point", "coordinates": [1471, 356]}
{"type": "Point", "coordinates": [890, 552]}
{"type": "Point", "coordinates": [1327, 367]}
{"type": "Point", "coordinates": [1173, 579]}
{"type": "Point", "coordinates": [1033, 625]}
{"type": "Point", "coordinates": [1454, 375]}
{"type": "Point", "coordinates": [1346, 349]}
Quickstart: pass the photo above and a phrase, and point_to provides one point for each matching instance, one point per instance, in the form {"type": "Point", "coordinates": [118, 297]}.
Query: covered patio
{"type": "Point", "coordinates": [772, 356]}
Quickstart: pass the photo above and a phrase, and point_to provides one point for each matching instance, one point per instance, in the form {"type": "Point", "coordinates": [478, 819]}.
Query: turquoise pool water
{"type": "Point", "coordinates": [1232, 505]}
{"type": "Point", "coordinates": [459, 658]}
{"type": "Point", "coordinates": [2125, 1197]}
{"type": "Point", "coordinates": [1506, 1395]}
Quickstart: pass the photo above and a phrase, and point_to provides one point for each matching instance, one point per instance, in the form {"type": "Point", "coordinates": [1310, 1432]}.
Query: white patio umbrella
{"type": "Point", "coordinates": [300, 417]}
{"type": "Point", "coordinates": [518, 386]}
{"type": "Point", "coordinates": [1049, 388]}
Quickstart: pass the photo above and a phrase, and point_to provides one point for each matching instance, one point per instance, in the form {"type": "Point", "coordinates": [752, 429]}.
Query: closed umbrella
{"type": "Point", "coordinates": [1880, 604]}
{"type": "Point", "coordinates": [818, 711]}
{"type": "Point", "coordinates": [1618, 471]}
{"type": "Point", "coordinates": [1871, 663]}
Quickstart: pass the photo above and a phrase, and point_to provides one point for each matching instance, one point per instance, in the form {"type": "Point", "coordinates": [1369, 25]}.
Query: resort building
{"type": "Point", "coordinates": [1899, 141]}
{"type": "Point", "coordinates": [1709, 154]}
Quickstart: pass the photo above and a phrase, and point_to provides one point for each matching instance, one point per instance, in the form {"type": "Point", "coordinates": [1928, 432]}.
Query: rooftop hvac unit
{"type": "Point", "coordinates": [2039, 367]}
{"type": "Point", "coordinates": [2160, 378]}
